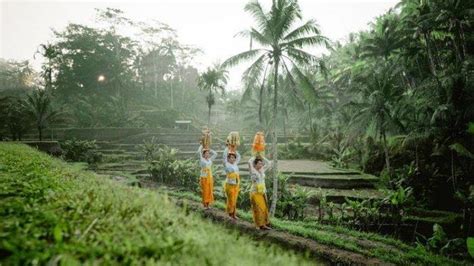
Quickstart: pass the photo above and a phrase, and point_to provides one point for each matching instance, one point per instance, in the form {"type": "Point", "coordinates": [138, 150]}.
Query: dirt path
{"type": "Point", "coordinates": [331, 255]}
{"type": "Point", "coordinates": [287, 240]}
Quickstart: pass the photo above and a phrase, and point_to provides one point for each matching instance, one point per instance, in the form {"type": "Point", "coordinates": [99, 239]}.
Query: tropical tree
{"type": "Point", "coordinates": [14, 117]}
{"type": "Point", "coordinates": [16, 76]}
{"type": "Point", "coordinates": [49, 52]}
{"type": "Point", "coordinates": [39, 107]}
{"type": "Point", "coordinates": [280, 47]}
{"type": "Point", "coordinates": [379, 95]}
{"type": "Point", "coordinates": [213, 81]}
{"type": "Point", "coordinates": [385, 37]}
{"type": "Point", "coordinates": [233, 106]}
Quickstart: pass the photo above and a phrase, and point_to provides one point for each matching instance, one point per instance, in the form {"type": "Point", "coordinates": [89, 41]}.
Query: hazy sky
{"type": "Point", "coordinates": [207, 24]}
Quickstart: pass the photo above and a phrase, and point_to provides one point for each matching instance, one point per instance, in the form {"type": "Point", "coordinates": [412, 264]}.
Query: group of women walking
{"type": "Point", "coordinates": [258, 165]}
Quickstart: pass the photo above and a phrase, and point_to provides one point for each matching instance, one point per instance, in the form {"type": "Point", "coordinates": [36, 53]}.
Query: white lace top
{"type": "Point", "coordinates": [258, 176]}
{"type": "Point", "coordinates": [205, 163]}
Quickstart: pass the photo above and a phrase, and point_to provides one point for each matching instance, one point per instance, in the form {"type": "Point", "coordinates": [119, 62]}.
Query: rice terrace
{"type": "Point", "coordinates": [237, 132]}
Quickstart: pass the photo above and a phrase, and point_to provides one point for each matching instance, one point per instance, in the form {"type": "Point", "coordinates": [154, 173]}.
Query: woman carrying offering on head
{"type": "Point", "coordinates": [258, 198]}
{"type": "Point", "coordinates": [206, 156]}
{"type": "Point", "coordinates": [232, 182]}
{"type": "Point", "coordinates": [258, 164]}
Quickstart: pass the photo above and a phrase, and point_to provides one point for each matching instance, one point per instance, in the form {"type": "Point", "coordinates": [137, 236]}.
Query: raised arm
{"type": "Point", "coordinates": [226, 151]}
{"type": "Point", "coordinates": [251, 168]}
{"type": "Point", "coordinates": [267, 164]}
{"type": "Point", "coordinates": [199, 151]}
{"type": "Point", "coordinates": [237, 159]}
{"type": "Point", "coordinates": [213, 155]}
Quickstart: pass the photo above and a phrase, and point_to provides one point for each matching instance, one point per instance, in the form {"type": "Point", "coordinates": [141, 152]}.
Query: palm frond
{"type": "Point", "coordinates": [302, 57]}
{"type": "Point", "coordinates": [259, 37]}
{"type": "Point", "coordinates": [256, 10]}
{"type": "Point", "coordinates": [308, 41]}
{"type": "Point", "coordinates": [292, 81]}
{"type": "Point", "coordinates": [310, 27]}
{"type": "Point", "coordinates": [308, 88]}
{"type": "Point", "coordinates": [288, 13]}
{"type": "Point", "coordinates": [252, 74]}
{"type": "Point", "coordinates": [242, 57]}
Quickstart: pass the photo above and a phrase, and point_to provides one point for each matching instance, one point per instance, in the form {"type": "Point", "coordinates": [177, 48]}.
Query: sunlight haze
{"type": "Point", "coordinates": [209, 25]}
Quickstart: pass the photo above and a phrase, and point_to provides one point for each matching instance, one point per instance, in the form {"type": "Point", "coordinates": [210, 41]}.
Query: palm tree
{"type": "Point", "coordinates": [40, 108]}
{"type": "Point", "coordinates": [233, 106]}
{"type": "Point", "coordinates": [385, 38]}
{"type": "Point", "coordinates": [281, 46]}
{"type": "Point", "coordinates": [49, 52]}
{"type": "Point", "coordinates": [212, 81]}
{"type": "Point", "coordinates": [379, 97]}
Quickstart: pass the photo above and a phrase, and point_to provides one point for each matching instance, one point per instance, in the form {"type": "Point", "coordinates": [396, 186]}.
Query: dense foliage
{"type": "Point", "coordinates": [407, 83]}
{"type": "Point", "coordinates": [163, 166]}
{"type": "Point", "coordinates": [81, 151]}
{"type": "Point", "coordinates": [105, 78]}
{"type": "Point", "coordinates": [394, 101]}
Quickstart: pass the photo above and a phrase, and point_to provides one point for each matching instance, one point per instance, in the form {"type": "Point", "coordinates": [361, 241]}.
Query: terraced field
{"type": "Point", "coordinates": [123, 156]}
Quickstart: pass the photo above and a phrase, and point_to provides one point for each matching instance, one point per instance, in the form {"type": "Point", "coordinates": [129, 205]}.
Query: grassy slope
{"type": "Point", "coordinates": [52, 212]}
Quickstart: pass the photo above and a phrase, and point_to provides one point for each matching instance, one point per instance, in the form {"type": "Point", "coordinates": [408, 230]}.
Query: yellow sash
{"type": "Point", "coordinates": [261, 188]}
{"type": "Point", "coordinates": [206, 171]}
{"type": "Point", "coordinates": [233, 178]}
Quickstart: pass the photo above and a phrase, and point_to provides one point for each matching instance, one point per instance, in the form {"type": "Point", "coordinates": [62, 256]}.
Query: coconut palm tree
{"type": "Point", "coordinates": [385, 38]}
{"type": "Point", "coordinates": [40, 108]}
{"type": "Point", "coordinates": [379, 97]}
{"type": "Point", "coordinates": [280, 46]}
{"type": "Point", "coordinates": [49, 52]}
{"type": "Point", "coordinates": [212, 80]}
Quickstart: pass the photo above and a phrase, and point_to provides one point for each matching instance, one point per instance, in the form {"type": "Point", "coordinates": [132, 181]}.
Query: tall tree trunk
{"type": "Point", "coordinates": [285, 119]}
{"type": "Point", "coordinates": [49, 78]}
{"type": "Point", "coordinates": [155, 79]}
{"type": "Point", "coordinates": [171, 94]}
{"type": "Point", "coordinates": [463, 39]}
{"type": "Point", "coordinates": [432, 59]}
{"type": "Point", "coordinates": [311, 129]}
{"type": "Point", "coordinates": [274, 141]}
{"type": "Point", "coordinates": [430, 55]}
{"type": "Point", "coordinates": [209, 116]}
{"type": "Point", "coordinates": [385, 148]}
{"type": "Point", "coordinates": [260, 107]}
{"type": "Point", "coordinates": [40, 133]}
{"type": "Point", "coordinates": [457, 43]}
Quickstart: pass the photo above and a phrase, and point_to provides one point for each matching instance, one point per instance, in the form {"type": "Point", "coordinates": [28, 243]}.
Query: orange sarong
{"type": "Point", "coordinates": [207, 188]}
{"type": "Point", "coordinates": [232, 193]}
{"type": "Point", "coordinates": [259, 208]}
{"type": "Point", "coordinates": [231, 188]}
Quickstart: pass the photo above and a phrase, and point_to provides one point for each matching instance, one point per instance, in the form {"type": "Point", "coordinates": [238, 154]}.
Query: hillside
{"type": "Point", "coordinates": [54, 213]}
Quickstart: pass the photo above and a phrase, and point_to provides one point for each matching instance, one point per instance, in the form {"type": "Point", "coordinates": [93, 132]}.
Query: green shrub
{"type": "Point", "coordinates": [291, 201]}
{"type": "Point", "coordinates": [81, 151]}
{"type": "Point", "coordinates": [185, 174]}
{"type": "Point", "coordinates": [164, 167]}
{"type": "Point", "coordinates": [160, 165]}
{"type": "Point", "coordinates": [55, 214]}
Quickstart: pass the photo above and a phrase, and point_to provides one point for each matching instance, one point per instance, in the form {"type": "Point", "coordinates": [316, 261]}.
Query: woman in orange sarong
{"type": "Point", "coordinates": [258, 197]}
{"type": "Point", "coordinates": [206, 181]}
{"type": "Point", "coordinates": [232, 182]}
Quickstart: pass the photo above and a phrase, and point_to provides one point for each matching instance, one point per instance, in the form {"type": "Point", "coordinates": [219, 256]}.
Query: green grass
{"type": "Point", "coordinates": [386, 248]}
{"type": "Point", "coordinates": [431, 216]}
{"type": "Point", "coordinates": [54, 213]}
